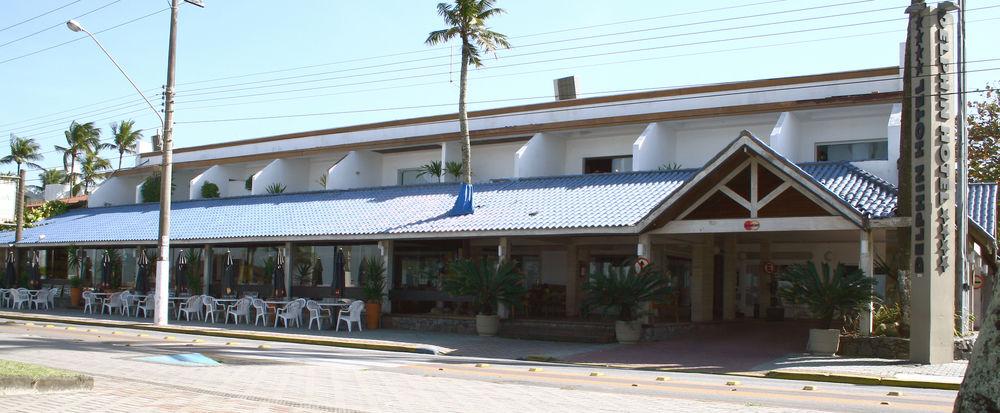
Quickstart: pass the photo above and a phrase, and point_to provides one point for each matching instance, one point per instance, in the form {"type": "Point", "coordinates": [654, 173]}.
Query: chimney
{"type": "Point", "coordinates": [565, 88]}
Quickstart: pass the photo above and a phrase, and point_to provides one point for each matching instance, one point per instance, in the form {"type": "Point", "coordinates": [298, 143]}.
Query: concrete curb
{"type": "Point", "coordinates": [21, 385]}
{"type": "Point", "coordinates": [246, 335]}
{"type": "Point", "coordinates": [859, 379]}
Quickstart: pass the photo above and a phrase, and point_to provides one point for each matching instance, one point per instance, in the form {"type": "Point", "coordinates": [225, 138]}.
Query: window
{"type": "Point", "coordinates": [853, 151]}
{"type": "Point", "coordinates": [607, 164]}
{"type": "Point", "coordinates": [410, 176]}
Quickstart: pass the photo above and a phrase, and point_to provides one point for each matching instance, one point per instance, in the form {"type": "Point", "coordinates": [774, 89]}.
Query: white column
{"type": "Point", "coordinates": [543, 155]}
{"type": "Point", "coordinates": [386, 249]}
{"type": "Point", "coordinates": [730, 267]}
{"type": "Point", "coordinates": [867, 265]}
{"type": "Point", "coordinates": [655, 147]}
{"type": "Point", "coordinates": [702, 278]}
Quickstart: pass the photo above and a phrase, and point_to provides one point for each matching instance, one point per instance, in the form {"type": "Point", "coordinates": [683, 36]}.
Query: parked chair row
{"type": "Point", "coordinates": [21, 298]}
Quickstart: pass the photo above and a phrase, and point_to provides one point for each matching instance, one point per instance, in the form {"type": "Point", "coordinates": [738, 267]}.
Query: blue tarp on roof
{"type": "Point", "coordinates": [597, 201]}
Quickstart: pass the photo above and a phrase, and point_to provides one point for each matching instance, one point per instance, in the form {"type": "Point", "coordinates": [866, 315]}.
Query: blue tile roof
{"type": "Point", "coordinates": [604, 203]}
{"type": "Point", "coordinates": [983, 206]}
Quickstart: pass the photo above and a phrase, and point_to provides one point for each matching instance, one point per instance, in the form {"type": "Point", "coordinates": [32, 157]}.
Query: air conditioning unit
{"type": "Point", "coordinates": [565, 88]}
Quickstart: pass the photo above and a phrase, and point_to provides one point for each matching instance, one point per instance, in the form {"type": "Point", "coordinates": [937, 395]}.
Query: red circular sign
{"type": "Point", "coordinates": [769, 267]}
{"type": "Point", "coordinates": [641, 262]}
{"type": "Point", "coordinates": [751, 225]}
{"type": "Point", "coordinates": [977, 281]}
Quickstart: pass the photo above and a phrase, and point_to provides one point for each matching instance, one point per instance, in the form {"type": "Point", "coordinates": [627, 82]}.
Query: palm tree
{"type": "Point", "coordinates": [23, 151]}
{"type": "Point", "coordinates": [466, 19]}
{"type": "Point", "coordinates": [126, 138]}
{"type": "Point", "coordinates": [92, 169]}
{"type": "Point", "coordinates": [80, 138]}
{"type": "Point", "coordinates": [52, 177]}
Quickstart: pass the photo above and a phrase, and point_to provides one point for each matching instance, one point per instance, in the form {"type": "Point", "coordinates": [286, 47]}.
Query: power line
{"type": "Point", "coordinates": [79, 107]}
{"type": "Point", "coordinates": [29, 129]}
{"type": "Point", "coordinates": [81, 38]}
{"type": "Point", "coordinates": [186, 92]}
{"type": "Point", "coordinates": [57, 24]}
{"type": "Point", "coordinates": [40, 15]}
{"type": "Point", "coordinates": [424, 50]}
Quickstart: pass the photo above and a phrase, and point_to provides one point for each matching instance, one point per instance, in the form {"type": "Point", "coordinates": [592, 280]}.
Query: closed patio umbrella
{"type": "Point", "coordinates": [36, 273]}
{"type": "Point", "coordinates": [181, 274]}
{"type": "Point", "coordinates": [278, 277]}
{"type": "Point", "coordinates": [142, 274]}
{"type": "Point", "coordinates": [337, 284]}
{"type": "Point", "coordinates": [105, 271]}
{"type": "Point", "coordinates": [228, 274]}
{"type": "Point", "coordinates": [11, 270]}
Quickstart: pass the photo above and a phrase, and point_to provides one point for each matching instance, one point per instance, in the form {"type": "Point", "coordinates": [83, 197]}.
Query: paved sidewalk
{"type": "Point", "coordinates": [384, 339]}
{"type": "Point", "coordinates": [869, 367]}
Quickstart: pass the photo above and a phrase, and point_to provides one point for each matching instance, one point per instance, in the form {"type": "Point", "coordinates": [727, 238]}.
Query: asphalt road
{"type": "Point", "coordinates": [262, 376]}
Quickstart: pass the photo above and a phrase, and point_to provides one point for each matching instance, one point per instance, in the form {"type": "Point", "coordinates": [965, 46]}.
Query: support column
{"type": "Point", "coordinates": [867, 265]}
{"type": "Point", "coordinates": [702, 277]}
{"type": "Point", "coordinates": [503, 254]}
{"type": "Point", "coordinates": [572, 281]}
{"type": "Point", "coordinates": [764, 280]}
{"type": "Point", "coordinates": [386, 249]}
{"type": "Point", "coordinates": [206, 262]}
{"type": "Point", "coordinates": [730, 265]}
{"type": "Point", "coordinates": [288, 270]}
{"type": "Point", "coordinates": [644, 248]}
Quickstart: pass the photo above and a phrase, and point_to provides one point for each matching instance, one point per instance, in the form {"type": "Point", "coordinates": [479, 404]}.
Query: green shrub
{"type": "Point", "coordinates": [622, 290]}
{"type": "Point", "coordinates": [209, 190]}
{"type": "Point", "coordinates": [275, 188]}
{"type": "Point", "coordinates": [843, 293]}
{"type": "Point", "coordinates": [150, 189]}
{"type": "Point", "coordinates": [489, 284]}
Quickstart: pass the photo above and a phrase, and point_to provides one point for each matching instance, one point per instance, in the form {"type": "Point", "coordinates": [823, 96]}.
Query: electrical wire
{"type": "Point", "coordinates": [57, 24]}
{"type": "Point", "coordinates": [40, 15]}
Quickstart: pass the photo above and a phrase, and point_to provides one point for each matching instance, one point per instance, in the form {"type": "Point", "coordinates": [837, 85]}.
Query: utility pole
{"type": "Point", "coordinates": [160, 312]}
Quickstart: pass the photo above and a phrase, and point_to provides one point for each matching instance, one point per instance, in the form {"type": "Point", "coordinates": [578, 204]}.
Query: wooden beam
{"type": "Point", "coordinates": [774, 194]}
{"type": "Point", "coordinates": [704, 197]}
{"type": "Point", "coordinates": [715, 226]}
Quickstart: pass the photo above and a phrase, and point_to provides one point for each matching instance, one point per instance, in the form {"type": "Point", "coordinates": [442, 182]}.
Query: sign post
{"type": "Point", "coordinates": [934, 91]}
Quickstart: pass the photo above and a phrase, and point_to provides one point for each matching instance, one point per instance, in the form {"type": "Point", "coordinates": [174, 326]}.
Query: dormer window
{"type": "Point", "coordinates": [874, 150]}
{"type": "Point", "coordinates": [607, 164]}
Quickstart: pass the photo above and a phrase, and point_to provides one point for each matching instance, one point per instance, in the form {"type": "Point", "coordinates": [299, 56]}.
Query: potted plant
{"type": "Point", "coordinates": [373, 287]}
{"type": "Point", "coordinates": [489, 285]}
{"type": "Point", "coordinates": [844, 292]}
{"type": "Point", "coordinates": [75, 291]}
{"type": "Point", "coordinates": [623, 290]}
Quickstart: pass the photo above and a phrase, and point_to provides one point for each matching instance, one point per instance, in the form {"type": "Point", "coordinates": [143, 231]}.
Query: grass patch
{"type": "Point", "coordinates": [10, 369]}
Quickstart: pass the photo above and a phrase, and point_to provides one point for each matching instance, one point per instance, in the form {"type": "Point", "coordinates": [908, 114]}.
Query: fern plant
{"type": "Point", "coordinates": [209, 190]}
{"type": "Point", "coordinates": [454, 169]}
{"type": "Point", "coordinates": [489, 284]}
{"type": "Point", "coordinates": [622, 290]}
{"type": "Point", "coordinates": [433, 168]}
{"type": "Point", "coordinates": [844, 292]}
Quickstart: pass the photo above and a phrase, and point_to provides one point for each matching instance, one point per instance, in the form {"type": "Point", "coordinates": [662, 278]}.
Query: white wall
{"type": "Point", "coordinates": [219, 175]}
{"type": "Point", "coordinates": [8, 200]}
{"type": "Point", "coordinates": [854, 124]}
{"type": "Point", "coordinates": [393, 162]}
{"type": "Point", "coordinates": [117, 190]}
{"type": "Point", "coordinates": [358, 169]}
{"type": "Point", "coordinates": [655, 147]}
{"type": "Point", "coordinates": [56, 191]}
{"type": "Point", "coordinates": [542, 155]}
{"type": "Point", "coordinates": [577, 149]}
{"type": "Point", "coordinates": [695, 147]}
{"type": "Point", "coordinates": [784, 138]}
{"type": "Point", "coordinates": [293, 174]}
{"type": "Point", "coordinates": [494, 161]}
{"type": "Point", "coordinates": [452, 152]}
{"type": "Point", "coordinates": [319, 168]}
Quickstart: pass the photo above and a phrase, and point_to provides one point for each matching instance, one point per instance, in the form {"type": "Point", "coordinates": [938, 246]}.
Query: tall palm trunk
{"type": "Point", "coordinates": [463, 116]}
{"type": "Point", "coordinates": [72, 175]}
{"type": "Point", "coordinates": [120, 156]}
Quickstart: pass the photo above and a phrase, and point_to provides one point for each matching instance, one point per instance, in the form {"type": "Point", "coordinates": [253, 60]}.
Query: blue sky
{"type": "Point", "coordinates": [368, 58]}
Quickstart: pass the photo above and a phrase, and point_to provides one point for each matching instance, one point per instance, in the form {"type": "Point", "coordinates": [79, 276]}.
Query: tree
{"type": "Point", "coordinates": [980, 389]}
{"type": "Point", "coordinates": [92, 170]}
{"type": "Point", "coordinates": [466, 20]}
{"type": "Point", "coordinates": [52, 177]}
{"type": "Point", "coordinates": [23, 151]}
{"type": "Point", "coordinates": [126, 139]}
{"type": "Point", "coordinates": [984, 138]}
{"type": "Point", "coordinates": [80, 138]}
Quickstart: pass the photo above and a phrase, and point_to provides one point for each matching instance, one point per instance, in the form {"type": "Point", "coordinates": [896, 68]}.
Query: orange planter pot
{"type": "Point", "coordinates": [75, 296]}
{"type": "Point", "coordinates": [373, 315]}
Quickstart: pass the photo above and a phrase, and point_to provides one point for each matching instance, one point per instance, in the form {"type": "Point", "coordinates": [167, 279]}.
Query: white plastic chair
{"type": "Point", "coordinates": [5, 297]}
{"type": "Point", "coordinates": [190, 306]}
{"type": "Point", "coordinates": [53, 293]}
{"type": "Point", "coordinates": [126, 299]}
{"type": "Point", "coordinates": [240, 308]}
{"type": "Point", "coordinates": [260, 308]}
{"type": "Point", "coordinates": [211, 307]}
{"type": "Point", "coordinates": [317, 313]}
{"type": "Point", "coordinates": [41, 299]}
{"type": "Point", "coordinates": [21, 298]}
{"type": "Point", "coordinates": [89, 301]}
{"type": "Point", "coordinates": [146, 305]}
{"type": "Point", "coordinates": [291, 312]}
{"type": "Point", "coordinates": [351, 315]}
{"type": "Point", "coordinates": [113, 302]}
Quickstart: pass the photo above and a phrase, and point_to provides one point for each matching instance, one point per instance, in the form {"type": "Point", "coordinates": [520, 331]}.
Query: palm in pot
{"type": "Point", "coordinates": [373, 287]}
{"type": "Point", "coordinates": [489, 285]}
{"type": "Point", "coordinates": [624, 291]}
{"type": "Point", "coordinates": [843, 293]}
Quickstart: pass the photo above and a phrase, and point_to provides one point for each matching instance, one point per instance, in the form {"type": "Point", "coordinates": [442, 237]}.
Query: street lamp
{"type": "Point", "coordinates": [163, 240]}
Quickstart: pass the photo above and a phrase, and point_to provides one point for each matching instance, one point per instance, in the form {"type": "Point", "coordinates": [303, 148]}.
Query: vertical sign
{"type": "Point", "coordinates": [934, 93]}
